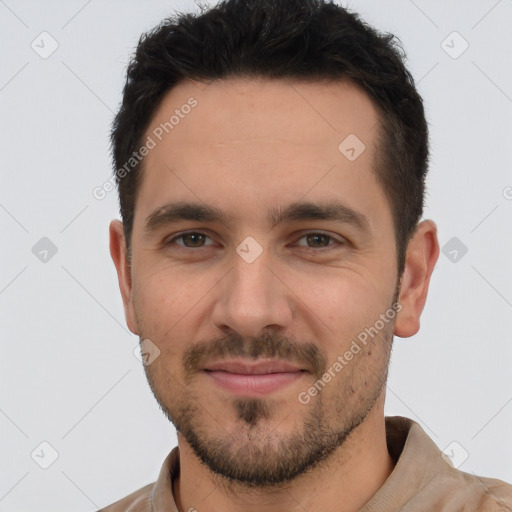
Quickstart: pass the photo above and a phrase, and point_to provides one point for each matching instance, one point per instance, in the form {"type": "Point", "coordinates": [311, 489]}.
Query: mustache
{"type": "Point", "coordinates": [268, 345]}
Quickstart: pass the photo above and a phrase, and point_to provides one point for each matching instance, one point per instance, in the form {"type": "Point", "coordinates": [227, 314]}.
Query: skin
{"type": "Point", "coordinates": [248, 146]}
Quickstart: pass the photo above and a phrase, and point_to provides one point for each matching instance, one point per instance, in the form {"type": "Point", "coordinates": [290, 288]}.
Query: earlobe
{"type": "Point", "coordinates": [124, 275]}
{"type": "Point", "coordinates": [421, 257]}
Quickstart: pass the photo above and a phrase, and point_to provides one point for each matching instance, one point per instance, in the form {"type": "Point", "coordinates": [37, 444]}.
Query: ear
{"type": "Point", "coordinates": [421, 257]}
{"type": "Point", "coordinates": [124, 274]}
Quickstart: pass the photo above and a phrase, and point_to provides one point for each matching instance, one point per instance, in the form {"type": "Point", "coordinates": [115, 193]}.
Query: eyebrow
{"type": "Point", "coordinates": [300, 211]}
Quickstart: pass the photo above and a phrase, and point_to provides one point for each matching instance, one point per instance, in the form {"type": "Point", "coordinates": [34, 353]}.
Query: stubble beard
{"type": "Point", "coordinates": [254, 455]}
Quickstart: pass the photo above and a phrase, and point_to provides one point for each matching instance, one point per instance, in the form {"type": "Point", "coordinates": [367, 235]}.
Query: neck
{"type": "Point", "coordinates": [345, 482]}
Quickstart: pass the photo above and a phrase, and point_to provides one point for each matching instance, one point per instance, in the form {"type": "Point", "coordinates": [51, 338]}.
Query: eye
{"type": "Point", "coordinates": [320, 240]}
{"type": "Point", "coordinates": [197, 240]}
{"type": "Point", "coordinates": [192, 239]}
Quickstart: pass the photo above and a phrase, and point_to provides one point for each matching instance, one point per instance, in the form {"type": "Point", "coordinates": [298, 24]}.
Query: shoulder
{"type": "Point", "coordinates": [138, 501]}
{"type": "Point", "coordinates": [424, 478]}
{"type": "Point", "coordinates": [457, 490]}
{"type": "Point", "coordinates": [155, 496]}
{"type": "Point", "coordinates": [493, 495]}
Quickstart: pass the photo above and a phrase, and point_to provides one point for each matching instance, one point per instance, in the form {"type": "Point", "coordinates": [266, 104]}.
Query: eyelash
{"type": "Point", "coordinates": [337, 242]}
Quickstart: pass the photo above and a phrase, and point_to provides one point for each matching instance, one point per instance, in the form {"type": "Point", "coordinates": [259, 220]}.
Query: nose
{"type": "Point", "coordinates": [253, 297]}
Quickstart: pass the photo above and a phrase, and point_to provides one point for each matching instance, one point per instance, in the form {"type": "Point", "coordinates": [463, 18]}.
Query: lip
{"type": "Point", "coordinates": [252, 379]}
{"type": "Point", "coordinates": [253, 367]}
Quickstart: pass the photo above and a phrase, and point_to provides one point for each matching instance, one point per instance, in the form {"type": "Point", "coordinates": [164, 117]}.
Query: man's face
{"type": "Point", "coordinates": [219, 298]}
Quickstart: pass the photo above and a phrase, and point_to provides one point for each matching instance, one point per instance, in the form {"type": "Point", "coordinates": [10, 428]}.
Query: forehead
{"type": "Point", "coordinates": [257, 142]}
{"type": "Point", "coordinates": [284, 109]}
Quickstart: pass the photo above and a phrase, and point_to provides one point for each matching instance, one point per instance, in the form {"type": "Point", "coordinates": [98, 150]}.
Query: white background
{"type": "Point", "coordinates": [68, 373]}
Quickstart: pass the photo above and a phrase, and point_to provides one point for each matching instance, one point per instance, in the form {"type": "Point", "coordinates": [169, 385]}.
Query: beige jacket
{"type": "Point", "coordinates": [422, 480]}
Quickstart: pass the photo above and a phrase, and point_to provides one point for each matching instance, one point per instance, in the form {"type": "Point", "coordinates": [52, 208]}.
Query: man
{"type": "Point", "coordinates": [271, 159]}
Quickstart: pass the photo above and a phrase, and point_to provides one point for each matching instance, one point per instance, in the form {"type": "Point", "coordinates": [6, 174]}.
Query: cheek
{"type": "Point", "coordinates": [173, 304]}
{"type": "Point", "coordinates": [342, 305]}
{"type": "Point", "coordinates": [164, 302]}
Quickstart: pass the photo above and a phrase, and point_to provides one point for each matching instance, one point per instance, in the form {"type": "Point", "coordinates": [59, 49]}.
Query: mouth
{"type": "Point", "coordinates": [253, 378]}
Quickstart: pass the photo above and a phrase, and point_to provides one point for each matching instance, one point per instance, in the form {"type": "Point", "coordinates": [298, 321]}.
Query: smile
{"type": "Point", "coordinates": [253, 379]}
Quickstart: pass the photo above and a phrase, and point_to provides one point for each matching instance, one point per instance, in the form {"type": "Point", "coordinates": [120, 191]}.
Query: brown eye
{"type": "Point", "coordinates": [190, 240]}
{"type": "Point", "coordinates": [319, 241]}
{"type": "Point", "coordinates": [193, 239]}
